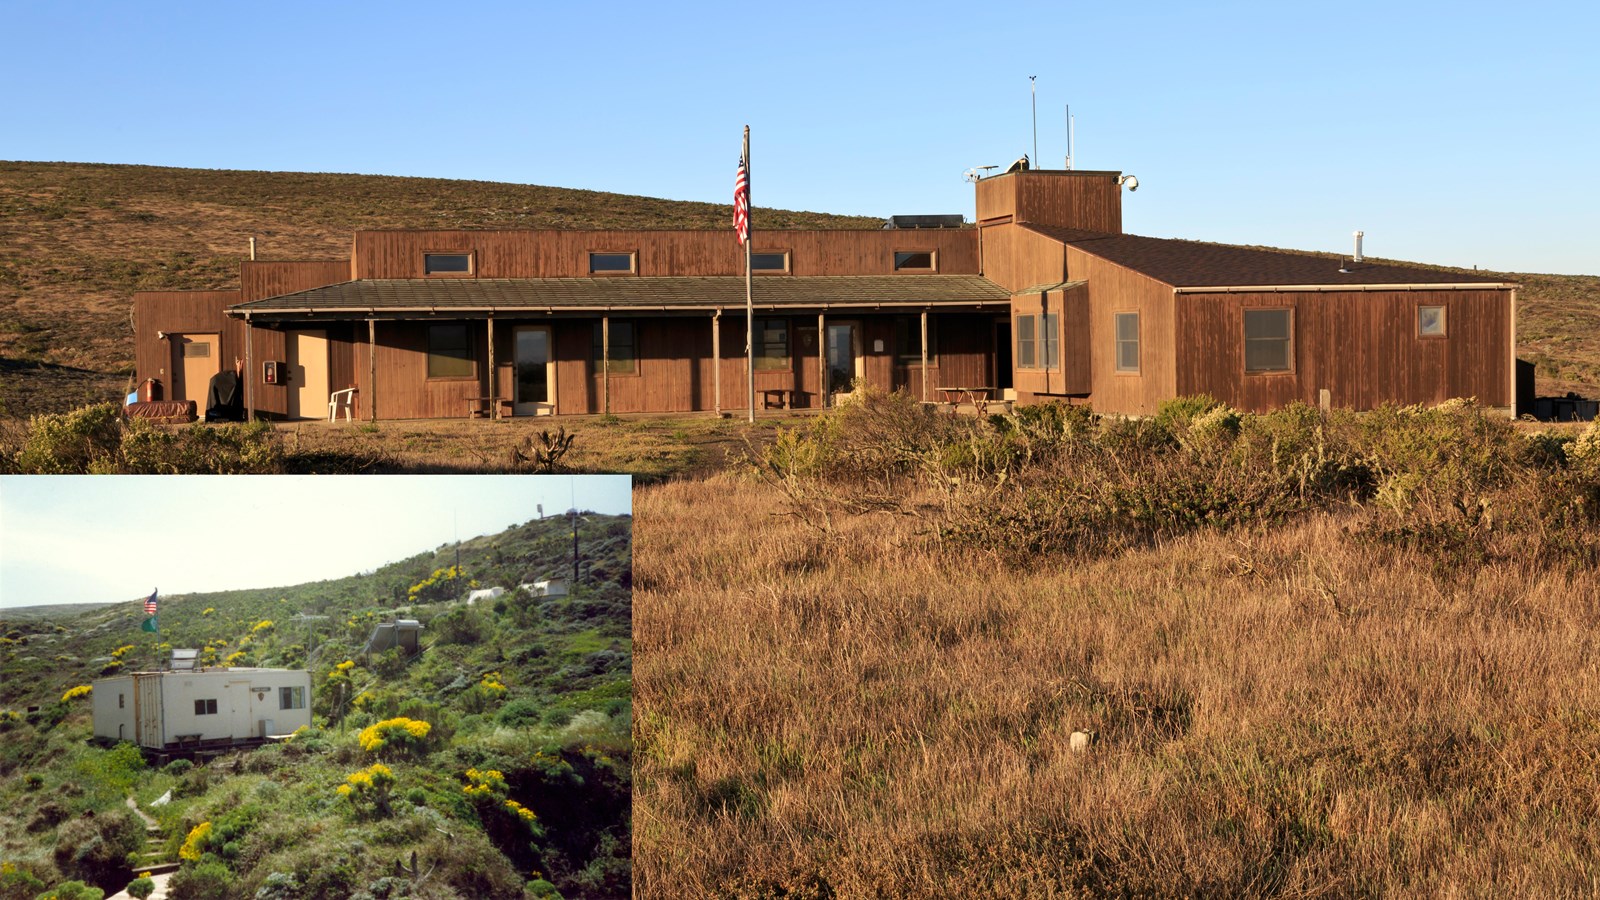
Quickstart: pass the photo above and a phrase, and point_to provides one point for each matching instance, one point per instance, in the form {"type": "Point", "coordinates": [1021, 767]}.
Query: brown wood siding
{"type": "Point", "coordinates": [259, 280]}
{"type": "Point", "coordinates": [1113, 289]}
{"type": "Point", "coordinates": [1016, 258]}
{"type": "Point", "coordinates": [1361, 346]}
{"type": "Point", "coordinates": [180, 312]}
{"type": "Point", "coordinates": [1092, 202]}
{"type": "Point", "coordinates": [1071, 374]}
{"type": "Point", "coordinates": [997, 198]}
{"type": "Point", "coordinates": [1087, 200]}
{"type": "Point", "coordinates": [565, 254]}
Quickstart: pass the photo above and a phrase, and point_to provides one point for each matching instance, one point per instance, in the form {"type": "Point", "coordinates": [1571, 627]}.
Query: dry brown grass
{"type": "Point", "coordinates": [1293, 711]}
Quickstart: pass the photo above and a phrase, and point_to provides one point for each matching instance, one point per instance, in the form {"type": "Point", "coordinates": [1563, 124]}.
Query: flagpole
{"type": "Point", "coordinates": [749, 299]}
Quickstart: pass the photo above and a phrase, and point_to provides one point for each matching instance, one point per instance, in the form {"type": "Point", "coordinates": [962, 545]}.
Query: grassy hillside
{"type": "Point", "coordinates": [1313, 656]}
{"type": "Point", "coordinates": [77, 239]}
{"type": "Point", "coordinates": [537, 691]}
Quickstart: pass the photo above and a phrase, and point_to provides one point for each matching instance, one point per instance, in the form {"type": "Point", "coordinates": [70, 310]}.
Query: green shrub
{"type": "Point", "coordinates": [1179, 412]}
{"type": "Point", "coordinates": [208, 879]}
{"type": "Point", "coordinates": [73, 890]}
{"type": "Point", "coordinates": [95, 848]}
{"type": "Point", "coordinates": [519, 713]}
{"type": "Point", "coordinates": [98, 439]}
{"type": "Point", "coordinates": [84, 440]}
{"type": "Point", "coordinates": [17, 883]}
{"type": "Point", "coordinates": [141, 887]}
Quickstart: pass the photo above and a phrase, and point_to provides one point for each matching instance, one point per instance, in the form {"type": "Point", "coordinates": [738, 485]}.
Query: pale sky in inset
{"type": "Point", "coordinates": [93, 538]}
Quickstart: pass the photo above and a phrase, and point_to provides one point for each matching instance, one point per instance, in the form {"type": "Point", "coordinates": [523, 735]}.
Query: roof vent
{"type": "Point", "coordinates": [942, 221]}
{"type": "Point", "coordinates": [1358, 248]}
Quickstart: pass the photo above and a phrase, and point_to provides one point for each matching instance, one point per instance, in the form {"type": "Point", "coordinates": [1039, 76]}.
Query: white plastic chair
{"type": "Point", "coordinates": [346, 398]}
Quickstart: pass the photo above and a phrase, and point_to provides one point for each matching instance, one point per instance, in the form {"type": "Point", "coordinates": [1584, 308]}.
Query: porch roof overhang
{"type": "Point", "coordinates": [422, 298]}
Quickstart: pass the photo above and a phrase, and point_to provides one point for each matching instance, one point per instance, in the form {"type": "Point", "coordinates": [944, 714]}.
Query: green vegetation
{"type": "Point", "coordinates": [495, 764]}
{"type": "Point", "coordinates": [1452, 481]}
{"type": "Point", "coordinates": [99, 440]}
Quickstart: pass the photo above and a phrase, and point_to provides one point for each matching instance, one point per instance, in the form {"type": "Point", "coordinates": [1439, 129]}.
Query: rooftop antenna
{"type": "Point", "coordinates": [1033, 91]}
{"type": "Point", "coordinates": [1069, 137]}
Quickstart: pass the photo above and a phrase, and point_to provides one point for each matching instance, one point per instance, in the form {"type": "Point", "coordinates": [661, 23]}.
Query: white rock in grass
{"type": "Point", "coordinates": [1080, 741]}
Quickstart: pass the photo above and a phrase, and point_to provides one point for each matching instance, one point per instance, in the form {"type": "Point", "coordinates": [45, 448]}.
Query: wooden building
{"type": "Point", "coordinates": [1046, 298]}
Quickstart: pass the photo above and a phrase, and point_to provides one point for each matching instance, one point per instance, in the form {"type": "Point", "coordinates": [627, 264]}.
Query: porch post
{"type": "Point", "coordinates": [822, 361]}
{"type": "Point", "coordinates": [924, 355]}
{"type": "Point", "coordinates": [494, 408]}
{"type": "Point", "coordinates": [372, 369]}
{"type": "Point", "coordinates": [605, 361]}
{"type": "Point", "coordinates": [249, 368]}
{"type": "Point", "coordinates": [716, 358]}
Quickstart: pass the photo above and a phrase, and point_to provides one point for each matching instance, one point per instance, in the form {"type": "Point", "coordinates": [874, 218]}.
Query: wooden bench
{"type": "Point", "coordinates": [480, 407]}
{"type": "Point", "coordinates": [778, 398]}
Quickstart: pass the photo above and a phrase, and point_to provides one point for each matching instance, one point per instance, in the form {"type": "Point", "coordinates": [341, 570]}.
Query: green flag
{"type": "Point", "coordinates": [149, 625]}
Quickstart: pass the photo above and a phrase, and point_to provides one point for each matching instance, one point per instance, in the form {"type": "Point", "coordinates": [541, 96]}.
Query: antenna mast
{"type": "Point", "coordinates": [1069, 137]}
{"type": "Point", "coordinates": [1033, 91]}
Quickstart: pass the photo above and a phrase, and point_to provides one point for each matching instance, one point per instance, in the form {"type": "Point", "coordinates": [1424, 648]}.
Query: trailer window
{"type": "Point", "coordinates": [205, 707]}
{"type": "Point", "coordinates": [119, 701]}
{"type": "Point", "coordinates": [292, 698]}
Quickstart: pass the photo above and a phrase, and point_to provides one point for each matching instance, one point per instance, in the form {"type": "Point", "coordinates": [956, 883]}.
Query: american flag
{"type": "Point", "coordinates": [741, 203]}
{"type": "Point", "coordinates": [150, 604]}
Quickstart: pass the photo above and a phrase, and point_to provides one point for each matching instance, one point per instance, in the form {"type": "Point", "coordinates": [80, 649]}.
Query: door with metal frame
{"type": "Point", "coordinates": [844, 356]}
{"type": "Point", "coordinates": [198, 358]}
{"type": "Point", "coordinates": [307, 353]}
{"type": "Point", "coordinates": [534, 391]}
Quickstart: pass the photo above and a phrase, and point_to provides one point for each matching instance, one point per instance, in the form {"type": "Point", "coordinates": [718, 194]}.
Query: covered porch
{"type": "Point", "coordinates": [493, 348]}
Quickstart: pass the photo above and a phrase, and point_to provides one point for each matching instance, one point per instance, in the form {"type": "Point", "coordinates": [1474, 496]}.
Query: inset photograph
{"type": "Point", "coordinates": [316, 687]}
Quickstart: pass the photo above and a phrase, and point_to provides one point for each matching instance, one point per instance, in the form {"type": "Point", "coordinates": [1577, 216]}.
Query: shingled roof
{"type": "Point", "coordinates": [641, 293]}
{"type": "Point", "coordinates": [1196, 264]}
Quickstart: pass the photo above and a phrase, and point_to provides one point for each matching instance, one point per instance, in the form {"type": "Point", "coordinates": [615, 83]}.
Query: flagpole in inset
{"type": "Point", "coordinates": [749, 299]}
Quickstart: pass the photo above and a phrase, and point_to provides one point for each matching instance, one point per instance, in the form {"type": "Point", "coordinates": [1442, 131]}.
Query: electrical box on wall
{"type": "Point", "coordinates": [271, 372]}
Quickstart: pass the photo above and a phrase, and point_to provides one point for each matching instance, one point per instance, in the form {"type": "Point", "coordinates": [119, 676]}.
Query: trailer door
{"type": "Point", "coordinates": [147, 730]}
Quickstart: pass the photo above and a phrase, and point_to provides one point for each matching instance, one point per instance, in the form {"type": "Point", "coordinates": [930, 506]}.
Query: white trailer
{"type": "Point", "coordinates": [202, 706]}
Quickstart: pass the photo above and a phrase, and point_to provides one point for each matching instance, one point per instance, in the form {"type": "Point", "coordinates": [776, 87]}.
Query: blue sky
{"type": "Point", "coordinates": [96, 538]}
{"type": "Point", "coordinates": [1454, 133]}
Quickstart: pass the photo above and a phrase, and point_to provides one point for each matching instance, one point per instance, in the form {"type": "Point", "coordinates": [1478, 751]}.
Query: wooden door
{"type": "Point", "coordinates": [307, 353]}
{"type": "Point", "coordinates": [198, 358]}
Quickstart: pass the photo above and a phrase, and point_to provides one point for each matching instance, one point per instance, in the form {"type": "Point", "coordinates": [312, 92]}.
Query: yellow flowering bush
{"type": "Point", "coordinates": [82, 690]}
{"type": "Point", "coordinates": [394, 734]}
{"type": "Point", "coordinates": [208, 611]}
{"type": "Point", "coordinates": [263, 625]}
{"type": "Point", "coordinates": [486, 693]}
{"type": "Point", "coordinates": [520, 811]}
{"type": "Point", "coordinates": [121, 651]}
{"type": "Point", "coordinates": [485, 784]}
{"type": "Point", "coordinates": [371, 785]}
{"type": "Point", "coordinates": [234, 659]}
{"type": "Point", "coordinates": [437, 586]}
{"type": "Point", "coordinates": [195, 844]}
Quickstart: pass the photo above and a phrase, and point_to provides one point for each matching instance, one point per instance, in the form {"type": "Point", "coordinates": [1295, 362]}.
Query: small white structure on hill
{"type": "Point", "coordinates": [555, 586]}
{"type": "Point", "coordinates": [485, 594]}
{"type": "Point", "coordinates": [198, 706]}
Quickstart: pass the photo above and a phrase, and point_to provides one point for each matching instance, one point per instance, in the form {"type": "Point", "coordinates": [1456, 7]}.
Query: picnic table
{"type": "Point", "coordinates": [979, 397]}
